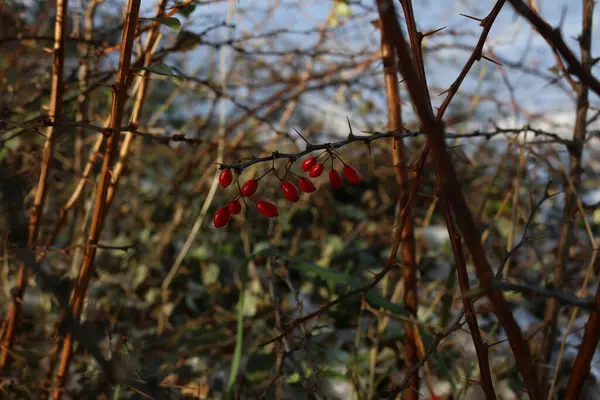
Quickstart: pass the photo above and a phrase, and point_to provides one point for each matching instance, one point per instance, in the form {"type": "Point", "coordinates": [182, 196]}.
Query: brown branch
{"type": "Point", "coordinates": [591, 336]}
{"type": "Point", "coordinates": [119, 97]}
{"type": "Point", "coordinates": [409, 272]}
{"type": "Point", "coordinates": [587, 349]}
{"type": "Point", "coordinates": [151, 26]}
{"type": "Point", "coordinates": [82, 113]}
{"type": "Point", "coordinates": [56, 106]}
{"type": "Point", "coordinates": [481, 348]}
{"type": "Point", "coordinates": [486, 23]}
{"type": "Point", "coordinates": [450, 186]}
{"type": "Point", "coordinates": [151, 43]}
{"type": "Point", "coordinates": [416, 41]}
{"type": "Point", "coordinates": [588, 304]}
{"type": "Point", "coordinates": [310, 148]}
{"type": "Point", "coordinates": [574, 67]}
{"type": "Point", "coordinates": [570, 207]}
{"type": "Point", "coordinates": [22, 37]}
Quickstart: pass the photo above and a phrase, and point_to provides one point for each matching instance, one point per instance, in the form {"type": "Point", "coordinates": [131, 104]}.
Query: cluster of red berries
{"type": "Point", "coordinates": [290, 191]}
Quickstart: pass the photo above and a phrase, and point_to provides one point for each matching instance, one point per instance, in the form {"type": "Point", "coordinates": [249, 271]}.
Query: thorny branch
{"type": "Point", "coordinates": [553, 138]}
{"type": "Point", "coordinates": [552, 35]}
{"type": "Point", "coordinates": [451, 189]}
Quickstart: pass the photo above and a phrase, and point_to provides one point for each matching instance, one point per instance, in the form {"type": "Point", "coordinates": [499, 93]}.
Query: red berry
{"type": "Point", "coordinates": [249, 187]}
{"type": "Point", "coordinates": [290, 191]}
{"type": "Point", "coordinates": [221, 217]}
{"type": "Point", "coordinates": [309, 163]}
{"type": "Point", "coordinates": [267, 209]}
{"type": "Point", "coordinates": [351, 174]}
{"type": "Point", "coordinates": [306, 185]}
{"type": "Point", "coordinates": [335, 179]}
{"type": "Point", "coordinates": [225, 178]}
{"type": "Point", "coordinates": [234, 207]}
{"type": "Point", "coordinates": [316, 170]}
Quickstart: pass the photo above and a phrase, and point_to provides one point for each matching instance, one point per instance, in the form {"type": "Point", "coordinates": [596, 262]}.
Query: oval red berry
{"type": "Point", "coordinates": [221, 217]}
{"type": "Point", "coordinates": [234, 207]}
{"type": "Point", "coordinates": [309, 163]}
{"type": "Point", "coordinates": [306, 185]}
{"type": "Point", "coordinates": [316, 170]}
{"type": "Point", "coordinates": [225, 178]}
{"type": "Point", "coordinates": [249, 188]}
{"type": "Point", "coordinates": [290, 191]}
{"type": "Point", "coordinates": [266, 208]}
{"type": "Point", "coordinates": [351, 174]}
{"type": "Point", "coordinates": [335, 179]}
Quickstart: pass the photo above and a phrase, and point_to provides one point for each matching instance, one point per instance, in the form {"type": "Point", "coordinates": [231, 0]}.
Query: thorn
{"type": "Point", "coordinates": [445, 91]}
{"type": "Point", "coordinates": [470, 17]}
{"type": "Point", "coordinates": [351, 134]}
{"type": "Point", "coordinates": [303, 138]}
{"type": "Point", "coordinates": [489, 59]}
{"type": "Point", "coordinates": [554, 81]}
{"type": "Point", "coordinates": [435, 31]}
{"type": "Point", "coordinates": [563, 15]}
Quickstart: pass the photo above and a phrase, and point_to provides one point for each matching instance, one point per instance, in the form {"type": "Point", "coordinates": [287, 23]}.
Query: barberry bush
{"type": "Point", "coordinates": [331, 199]}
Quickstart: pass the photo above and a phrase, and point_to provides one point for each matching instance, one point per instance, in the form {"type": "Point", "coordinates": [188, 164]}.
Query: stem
{"type": "Point", "coordinates": [56, 105]}
{"type": "Point", "coordinates": [450, 186]}
{"type": "Point", "coordinates": [407, 250]}
{"type": "Point", "coordinates": [470, 316]}
{"type": "Point", "coordinates": [591, 336]}
{"type": "Point", "coordinates": [119, 96]}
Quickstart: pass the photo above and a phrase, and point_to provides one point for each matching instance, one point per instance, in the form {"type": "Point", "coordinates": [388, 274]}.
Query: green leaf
{"type": "Point", "coordinates": [250, 305]}
{"type": "Point", "coordinates": [171, 22]}
{"type": "Point", "coordinates": [377, 300]}
{"type": "Point", "coordinates": [443, 367]}
{"type": "Point", "coordinates": [372, 297]}
{"type": "Point", "coordinates": [307, 266]}
{"type": "Point", "coordinates": [187, 41]}
{"type": "Point", "coordinates": [293, 378]}
{"type": "Point", "coordinates": [161, 69]}
{"type": "Point", "coordinates": [342, 9]}
{"type": "Point", "coordinates": [210, 274]}
{"type": "Point", "coordinates": [336, 376]}
{"type": "Point", "coordinates": [187, 10]}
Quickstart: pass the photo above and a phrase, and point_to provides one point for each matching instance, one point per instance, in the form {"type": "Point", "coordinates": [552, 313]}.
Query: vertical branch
{"type": "Point", "coordinates": [151, 44]}
{"type": "Point", "coordinates": [56, 106]}
{"type": "Point", "coordinates": [83, 111]}
{"type": "Point", "coordinates": [592, 329]}
{"type": "Point", "coordinates": [514, 218]}
{"type": "Point", "coordinates": [119, 96]}
{"type": "Point", "coordinates": [416, 40]}
{"type": "Point", "coordinates": [587, 349]}
{"type": "Point", "coordinates": [450, 187]}
{"type": "Point", "coordinates": [470, 317]}
{"type": "Point", "coordinates": [407, 249]}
